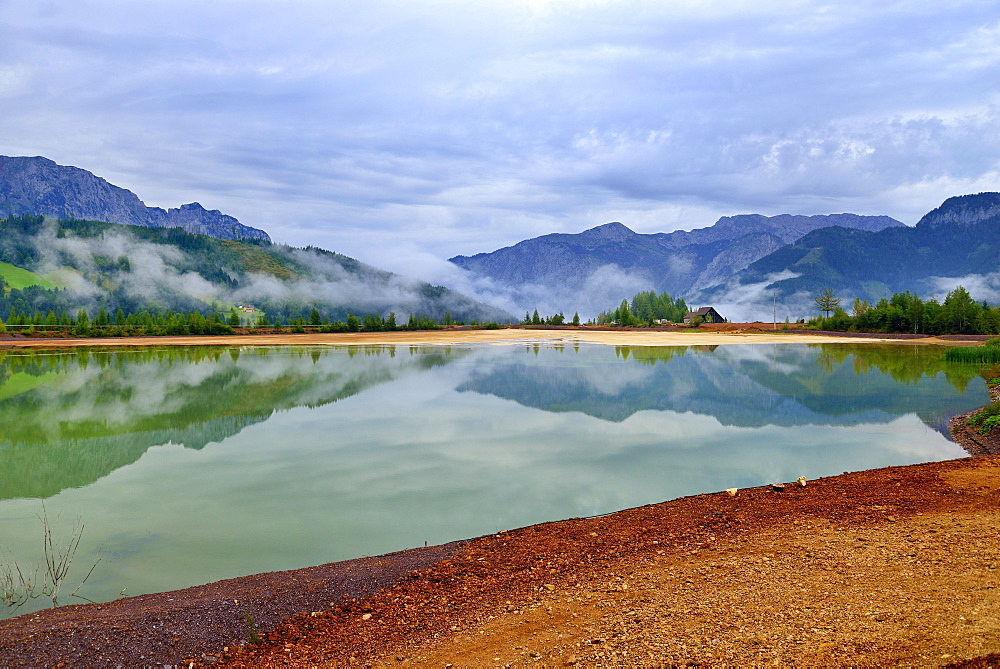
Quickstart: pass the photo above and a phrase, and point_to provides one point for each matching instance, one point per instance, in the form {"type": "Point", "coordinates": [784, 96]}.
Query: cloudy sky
{"type": "Point", "coordinates": [402, 133]}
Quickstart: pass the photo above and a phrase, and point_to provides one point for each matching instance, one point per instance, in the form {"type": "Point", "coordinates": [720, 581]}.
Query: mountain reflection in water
{"type": "Point", "coordinates": [753, 386]}
{"type": "Point", "coordinates": [67, 419]}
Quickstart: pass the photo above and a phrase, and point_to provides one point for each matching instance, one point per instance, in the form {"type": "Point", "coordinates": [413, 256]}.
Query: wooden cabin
{"type": "Point", "coordinates": [707, 315]}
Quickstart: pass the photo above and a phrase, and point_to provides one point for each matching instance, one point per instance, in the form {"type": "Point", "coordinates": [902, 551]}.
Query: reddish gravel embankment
{"type": "Point", "coordinates": [890, 565]}
{"type": "Point", "coordinates": [165, 628]}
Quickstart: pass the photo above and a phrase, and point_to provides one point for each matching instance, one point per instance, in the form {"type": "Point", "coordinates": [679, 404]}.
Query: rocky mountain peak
{"type": "Point", "coordinates": [37, 185]}
{"type": "Point", "coordinates": [614, 231]}
{"type": "Point", "coordinates": [964, 210]}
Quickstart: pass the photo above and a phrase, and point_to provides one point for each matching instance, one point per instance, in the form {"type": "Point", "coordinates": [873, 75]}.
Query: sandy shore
{"type": "Point", "coordinates": [493, 337]}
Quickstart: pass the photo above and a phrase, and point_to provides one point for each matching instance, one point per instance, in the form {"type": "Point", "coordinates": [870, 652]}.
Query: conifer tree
{"type": "Point", "coordinates": [827, 301]}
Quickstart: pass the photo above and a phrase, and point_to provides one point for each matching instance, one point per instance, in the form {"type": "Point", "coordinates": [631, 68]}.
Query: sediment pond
{"type": "Point", "coordinates": [188, 465]}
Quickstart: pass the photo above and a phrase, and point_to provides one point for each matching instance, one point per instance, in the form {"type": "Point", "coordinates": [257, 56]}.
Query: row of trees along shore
{"type": "Point", "coordinates": [644, 309]}
{"type": "Point", "coordinates": [907, 313]}
{"type": "Point", "coordinates": [555, 319]}
{"type": "Point", "coordinates": [169, 322]}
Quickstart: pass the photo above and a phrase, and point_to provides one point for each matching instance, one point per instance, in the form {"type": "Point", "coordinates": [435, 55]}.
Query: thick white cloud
{"type": "Point", "coordinates": [981, 286]}
{"type": "Point", "coordinates": [459, 127]}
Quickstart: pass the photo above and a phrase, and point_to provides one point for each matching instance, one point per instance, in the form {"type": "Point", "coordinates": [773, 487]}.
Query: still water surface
{"type": "Point", "coordinates": [192, 465]}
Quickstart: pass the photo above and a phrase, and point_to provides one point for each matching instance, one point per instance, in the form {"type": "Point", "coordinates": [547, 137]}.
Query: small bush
{"type": "Point", "coordinates": [987, 419]}
{"type": "Point", "coordinates": [989, 424]}
{"type": "Point", "coordinates": [19, 585]}
{"type": "Point", "coordinates": [253, 635]}
{"type": "Point", "coordinates": [334, 327]}
{"type": "Point", "coordinates": [995, 341]}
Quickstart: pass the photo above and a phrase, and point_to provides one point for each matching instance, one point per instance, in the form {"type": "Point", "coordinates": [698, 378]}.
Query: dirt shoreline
{"type": "Point", "coordinates": [969, 438]}
{"type": "Point", "coordinates": [723, 334]}
{"type": "Point", "coordinates": [890, 566]}
{"type": "Point", "coordinates": [895, 565]}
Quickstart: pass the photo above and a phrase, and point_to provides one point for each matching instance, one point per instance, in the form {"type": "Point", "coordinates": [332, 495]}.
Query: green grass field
{"type": "Point", "coordinates": [19, 278]}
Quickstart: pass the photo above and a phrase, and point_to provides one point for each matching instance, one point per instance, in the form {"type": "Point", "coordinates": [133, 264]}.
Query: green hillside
{"type": "Point", "coordinates": [17, 277]}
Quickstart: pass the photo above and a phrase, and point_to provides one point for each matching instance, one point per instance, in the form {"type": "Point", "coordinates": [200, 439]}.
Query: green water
{"type": "Point", "coordinates": [192, 465]}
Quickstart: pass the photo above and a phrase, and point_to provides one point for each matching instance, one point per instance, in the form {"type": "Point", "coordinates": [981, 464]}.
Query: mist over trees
{"type": "Point", "coordinates": [162, 271]}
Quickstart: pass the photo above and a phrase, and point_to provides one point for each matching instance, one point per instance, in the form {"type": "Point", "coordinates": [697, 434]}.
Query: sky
{"type": "Point", "coordinates": [403, 133]}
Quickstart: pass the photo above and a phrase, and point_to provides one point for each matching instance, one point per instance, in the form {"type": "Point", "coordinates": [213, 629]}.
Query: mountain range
{"type": "Point", "coordinates": [743, 262]}
{"type": "Point", "coordinates": [594, 270]}
{"type": "Point", "coordinates": [958, 242]}
{"type": "Point", "coordinates": [740, 262]}
{"type": "Point", "coordinates": [37, 185]}
{"type": "Point", "coordinates": [680, 263]}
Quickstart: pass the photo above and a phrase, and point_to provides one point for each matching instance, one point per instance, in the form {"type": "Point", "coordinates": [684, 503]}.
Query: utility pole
{"type": "Point", "coordinates": [774, 297]}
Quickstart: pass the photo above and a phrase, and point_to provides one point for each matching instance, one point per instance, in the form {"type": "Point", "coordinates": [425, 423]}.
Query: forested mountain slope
{"type": "Point", "coordinates": [111, 266]}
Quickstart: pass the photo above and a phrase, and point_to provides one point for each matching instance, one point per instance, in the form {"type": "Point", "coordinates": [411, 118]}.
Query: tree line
{"type": "Point", "coordinates": [159, 322]}
{"type": "Point", "coordinates": [906, 312]}
{"type": "Point", "coordinates": [554, 319]}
